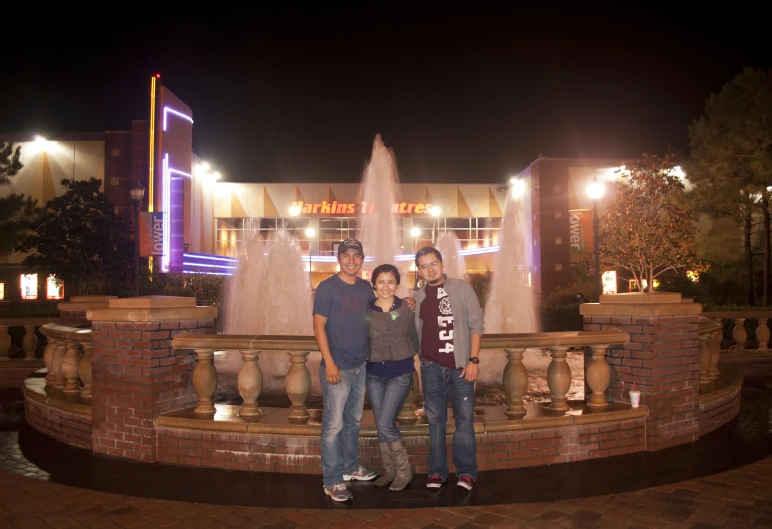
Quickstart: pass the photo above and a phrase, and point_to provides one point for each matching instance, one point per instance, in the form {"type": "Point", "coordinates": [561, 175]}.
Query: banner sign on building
{"type": "Point", "coordinates": [344, 208]}
{"type": "Point", "coordinates": [580, 231]}
{"type": "Point", "coordinates": [151, 233]}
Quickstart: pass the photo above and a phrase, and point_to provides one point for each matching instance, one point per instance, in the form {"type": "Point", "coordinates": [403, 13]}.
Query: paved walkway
{"type": "Point", "coordinates": [723, 480]}
{"type": "Point", "coordinates": [736, 499]}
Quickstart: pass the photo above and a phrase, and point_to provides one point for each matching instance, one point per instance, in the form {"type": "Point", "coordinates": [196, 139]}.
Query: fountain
{"type": "Point", "coordinates": [265, 295]}
{"type": "Point", "coordinates": [452, 261]}
{"type": "Point", "coordinates": [511, 306]}
{"type": "Point", "coordinates": [377, 224]}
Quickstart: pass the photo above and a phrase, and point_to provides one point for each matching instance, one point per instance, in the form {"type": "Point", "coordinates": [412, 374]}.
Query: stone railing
{"type": "Point", "coordinates": [29, 343]}
{"type": "Point", "coordinates": [68, 357]}
{"type": "Point", "coordinates": [740, 333]}
{"type": "Point", "coordinates": [710, 331]}
{"type": "Point", "coordinates": [298, 379]}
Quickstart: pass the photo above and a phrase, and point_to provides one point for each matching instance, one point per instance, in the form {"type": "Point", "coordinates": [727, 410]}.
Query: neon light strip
{"type": "Point", "coordinates": [209, 265]}
{"type": "Point", "coordinates": [210, 257]}
{"type": "Point", "coordinates": [151, 171]}
{"type": "Point", "coordinates": [479, 251]}
{"type": "Point", "coordinates": [167, 184]}
{"type": "Point", "coordinates": [176, 113]}
{"type": "Point", "coordinates": [207, 273]}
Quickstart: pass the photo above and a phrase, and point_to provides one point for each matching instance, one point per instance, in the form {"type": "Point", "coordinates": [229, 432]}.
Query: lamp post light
{"type": "Point", "coordinates": [294, 211]}
{"type": "Point", "coordinates": [137, 192]}
{"type": "Point", "coordinates": [595, 192]}
{"type": "Point", "coordinates": [435, 212]}
{"type": "Point", "coordinates": [415, 231]}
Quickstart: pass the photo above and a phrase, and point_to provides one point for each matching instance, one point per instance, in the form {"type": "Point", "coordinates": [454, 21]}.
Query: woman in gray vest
{"type": "Point", "coordinates": [392, 344]}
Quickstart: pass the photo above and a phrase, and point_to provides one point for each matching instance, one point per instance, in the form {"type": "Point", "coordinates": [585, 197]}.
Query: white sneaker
{"type": "Point", "coordinates": [360, 474]}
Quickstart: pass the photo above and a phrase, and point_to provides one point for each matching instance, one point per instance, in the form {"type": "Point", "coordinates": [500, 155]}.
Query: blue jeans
{"type": "Point", "coordinates": [387, 395]}
{"type": "Point", "coordinates": [438, 383]}
{"type": "Point", "coordinates": [343, 403]}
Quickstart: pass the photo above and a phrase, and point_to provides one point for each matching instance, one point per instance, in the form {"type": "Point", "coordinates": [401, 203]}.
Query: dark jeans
{"type": "Point", "coordinates": [438, 383]}
{"type": "Point", "coordinates": [387, 395]}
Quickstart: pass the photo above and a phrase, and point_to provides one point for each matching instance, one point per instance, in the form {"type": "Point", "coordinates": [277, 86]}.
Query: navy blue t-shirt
{"type": "Point", "coordinates": [345, 307]}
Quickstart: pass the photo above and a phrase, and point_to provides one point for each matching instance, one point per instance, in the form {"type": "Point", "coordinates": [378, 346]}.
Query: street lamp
{"type": "Point", "coordinates": [294, 211]}
{"type": "Point", "coordinates": [137, 191]}
{"type": "Point", "coordinates": [415, 231]}
{"type": "Point", "coordinates": [595, 191]}
{"type": "Point", "coordinates": [435, 212]}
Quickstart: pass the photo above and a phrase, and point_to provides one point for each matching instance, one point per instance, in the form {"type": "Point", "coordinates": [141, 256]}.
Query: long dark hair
{"type": "Point", "coordinates": [384, 269]}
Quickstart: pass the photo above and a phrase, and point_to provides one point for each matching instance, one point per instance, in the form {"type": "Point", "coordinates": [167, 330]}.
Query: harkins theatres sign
{"type": "Point", "coordinates": [346, 208]}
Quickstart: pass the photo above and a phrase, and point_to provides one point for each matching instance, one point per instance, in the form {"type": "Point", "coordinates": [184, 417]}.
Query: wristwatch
{"type": "Point", "coordinates": [474, 360]}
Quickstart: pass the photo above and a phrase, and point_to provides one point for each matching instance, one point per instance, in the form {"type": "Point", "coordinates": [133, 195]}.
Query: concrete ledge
{"type": "Point", "coordinates": [63, 417]}
{"type": "Point", "coordinates": [153, 314]}
{"type": "Point", "coordinates": [271, 444]}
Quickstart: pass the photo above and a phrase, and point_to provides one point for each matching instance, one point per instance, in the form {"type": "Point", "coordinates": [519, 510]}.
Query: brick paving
{"type": "Point", "coordinates": [736, 499]}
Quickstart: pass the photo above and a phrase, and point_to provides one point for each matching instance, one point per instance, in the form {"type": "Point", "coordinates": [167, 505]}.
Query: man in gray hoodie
{"type": "Point", "coordinates": [449, 321]}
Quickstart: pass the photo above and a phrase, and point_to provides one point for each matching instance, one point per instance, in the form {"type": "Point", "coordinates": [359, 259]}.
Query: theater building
{"type": "Point", "coordinates": [193, 223]}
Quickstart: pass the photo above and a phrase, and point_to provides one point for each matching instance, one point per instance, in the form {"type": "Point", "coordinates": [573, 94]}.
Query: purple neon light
{"type": "Point", "coordinates": [168, 110]}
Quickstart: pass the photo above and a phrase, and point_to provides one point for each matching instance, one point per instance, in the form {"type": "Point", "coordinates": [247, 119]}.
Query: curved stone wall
{"type": "Point", "coordinates": [53, 413]}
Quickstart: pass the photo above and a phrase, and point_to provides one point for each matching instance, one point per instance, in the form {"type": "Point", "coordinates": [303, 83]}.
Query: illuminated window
{"type": "Point", "coordinates": [693, 276]}
{"type": "Point", "coordinates": [609, 281]}
{"type": "Point", "coordinates": [54, 288]}
{"type": "Point", "coordinates": [29, 286]}
{"type": "Point", "coordinates": [2, 291]}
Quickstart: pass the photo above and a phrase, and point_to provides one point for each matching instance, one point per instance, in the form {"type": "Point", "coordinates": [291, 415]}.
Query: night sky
{"type": "Point", "coordinates": [297, 93]}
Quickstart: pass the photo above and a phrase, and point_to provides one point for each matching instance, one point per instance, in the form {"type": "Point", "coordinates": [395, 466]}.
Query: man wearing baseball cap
{"type": "Point", "coordinates": [341, 334]}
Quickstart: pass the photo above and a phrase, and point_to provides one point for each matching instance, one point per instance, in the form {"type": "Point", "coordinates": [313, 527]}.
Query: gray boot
{"type": "Point", "coordinates": [390, 466]}
{"type": "Point", "coordinates": [404, 473]}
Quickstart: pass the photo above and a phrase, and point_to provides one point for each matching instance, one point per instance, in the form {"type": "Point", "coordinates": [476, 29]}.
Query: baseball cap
{"type": "Point", "coordinates": [349, 244]}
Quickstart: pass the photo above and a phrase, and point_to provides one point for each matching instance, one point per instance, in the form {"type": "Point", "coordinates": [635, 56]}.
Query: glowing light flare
{"type": "Point", "coordinates": [43, 145]}
{"type": "Point", "coordinates": [595, 189]}
{"type": "Point", "coordinates": [435, 211]}
{"type": "Point", "coordinates": [310, 232]}
{"type": "Point", "coordinates": [518, 187]}
{"type": "Point", "coordinates": [294, 210]}
{"type": "Point", "coordinates": [415, 232]}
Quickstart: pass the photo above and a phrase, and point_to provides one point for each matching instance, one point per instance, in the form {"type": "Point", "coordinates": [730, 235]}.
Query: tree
{"type": "Point", "coordinates": [81, 240]}
{"type": "Point", "coordinates": [647, 228]}
{"type": "Point", "coordinates": [17, 212]}
{"type": "Point", "coordinates": [731, 161]}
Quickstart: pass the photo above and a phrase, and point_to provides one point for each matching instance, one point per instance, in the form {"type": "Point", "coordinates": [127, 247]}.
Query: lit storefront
{"type": "Point", "coordinates": [319, 216]}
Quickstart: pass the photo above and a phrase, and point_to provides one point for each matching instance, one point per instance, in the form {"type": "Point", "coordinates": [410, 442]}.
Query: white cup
{"type": "Point", "coordinates": [635, 398]}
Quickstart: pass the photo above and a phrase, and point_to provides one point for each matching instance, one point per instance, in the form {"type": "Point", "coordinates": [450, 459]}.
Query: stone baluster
{"type": "Point", "coordinates": [715, 352]}
{"type": "Point", "coordinates": [739, 334]}
{"type": "Point", "coordinates": [705, 356]}
{"type": "Point", "coordinates": [406, 415]}
{"type": "Point", "coordinates": [57, 381]}
{"type": "Point", "coordinates": [70, 367]}
{"type": "Point", "coordinates": [5, 342]}
{"type": "Point", "coordinates": [250, 383]}
{"type": "Point", "coordinates": [762, 334]}
{"type": "Point", "coordinates": [30, 342]}
{"type": "Point", "coordinates": [515, 381]}
{"type": "Point", "coordinates": [559, 379]}
{"type": "Point", "coordinates": [205, 381]}
{"type": "Point", "coordinates": [48, 359]}
{"type": "Point", "coordinates": [298, 385]}
{"type": "Point", "coordinates": [84, 370]}
{"type": "Point", "coordinates": [598, 376]}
